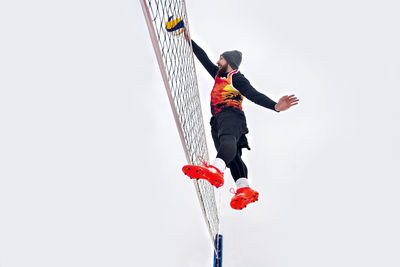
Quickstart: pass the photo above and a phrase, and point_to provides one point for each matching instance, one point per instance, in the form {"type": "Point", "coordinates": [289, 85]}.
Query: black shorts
{"type": "Point", "coordinates": [230, 122]}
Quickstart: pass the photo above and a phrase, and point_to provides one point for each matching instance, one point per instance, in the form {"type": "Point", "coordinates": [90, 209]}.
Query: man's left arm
{"type": "Point", "coordinates": [243, 85]}
{"type": "Point", "coordinates": [248, 91]}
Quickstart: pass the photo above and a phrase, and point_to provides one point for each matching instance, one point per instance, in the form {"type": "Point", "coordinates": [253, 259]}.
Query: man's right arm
{"type": "Point", "coordinates": [204, 60]}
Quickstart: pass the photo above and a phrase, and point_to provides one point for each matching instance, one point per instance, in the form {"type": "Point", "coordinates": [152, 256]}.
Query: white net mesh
{"type": "Point", "coordinates": [176, 63]}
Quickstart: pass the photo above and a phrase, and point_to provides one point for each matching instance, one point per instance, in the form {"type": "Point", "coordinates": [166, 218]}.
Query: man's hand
{"type": "Point", "coordinates": [185, 32]}
{"type": "Point", "coordinates": [286, 102]}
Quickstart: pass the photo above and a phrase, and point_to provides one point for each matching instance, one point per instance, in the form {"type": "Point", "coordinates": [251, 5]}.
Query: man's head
{"type": "Point", "coordinates": [233, 58]}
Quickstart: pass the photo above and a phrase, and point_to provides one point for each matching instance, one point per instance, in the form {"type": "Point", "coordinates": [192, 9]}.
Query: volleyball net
{"type": "Point", "coordinates": [165, 20]}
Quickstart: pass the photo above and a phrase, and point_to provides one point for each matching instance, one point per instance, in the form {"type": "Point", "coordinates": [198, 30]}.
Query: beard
{"type": "Point", "coordinates": [222, 70]}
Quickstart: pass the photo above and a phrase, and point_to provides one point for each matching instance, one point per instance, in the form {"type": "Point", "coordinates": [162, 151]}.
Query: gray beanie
{"type": "Point", "coordinates": [234, 58]}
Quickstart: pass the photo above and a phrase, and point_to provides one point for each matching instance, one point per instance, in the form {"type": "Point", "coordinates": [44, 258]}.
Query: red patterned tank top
{"type": "Point", "coordinates": [224, 95]}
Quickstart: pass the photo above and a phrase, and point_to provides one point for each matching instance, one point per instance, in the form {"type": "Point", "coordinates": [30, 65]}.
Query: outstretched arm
{"type": "Point", "coordinates": [248, 91]}
{"type": "Point", "coordinates": [202, 56]}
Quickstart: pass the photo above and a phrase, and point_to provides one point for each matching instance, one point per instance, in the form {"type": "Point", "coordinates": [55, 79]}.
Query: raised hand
{"type": "Point", "coordinates": [286, 102]}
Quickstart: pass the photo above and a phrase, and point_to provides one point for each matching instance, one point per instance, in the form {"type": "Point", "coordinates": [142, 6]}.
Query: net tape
{"type": "Point", "coordinates": [179, 65]}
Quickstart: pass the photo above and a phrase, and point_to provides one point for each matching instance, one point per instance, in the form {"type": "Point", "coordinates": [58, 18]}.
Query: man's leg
{"type": "Point", "coordinates": [239, 170]}
{"type": "Point", "coordinates": [214, 173]}
{"type": "Point", "coordinates": [238, 167]}
{"type": "Point", "coordinates": [225, 134]}
{"type": "Point", "coordinates": [244, 194]}
{"type": "Point", "coordinates": [227, 148]}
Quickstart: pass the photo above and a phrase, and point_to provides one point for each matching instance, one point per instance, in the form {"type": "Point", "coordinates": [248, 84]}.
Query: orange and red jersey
{"type": "Point", "coordinates": [225, 95]}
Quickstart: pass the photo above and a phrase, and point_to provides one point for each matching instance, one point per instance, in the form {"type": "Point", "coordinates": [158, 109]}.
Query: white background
{"type": "Point", "coordinates": [90, 157]}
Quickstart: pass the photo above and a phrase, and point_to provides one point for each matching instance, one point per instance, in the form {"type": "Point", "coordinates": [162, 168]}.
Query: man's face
{"type": "Point", "coordinates": [222, 66]}
{"type": "Point", "coordinates": [221, 62]}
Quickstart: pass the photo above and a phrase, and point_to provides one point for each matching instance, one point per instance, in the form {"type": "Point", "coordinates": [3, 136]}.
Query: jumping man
{"type": "Point", "coordinates": [228, 123]}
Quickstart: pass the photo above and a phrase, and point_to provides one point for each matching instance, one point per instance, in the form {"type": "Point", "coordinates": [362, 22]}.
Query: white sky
{"type": "Point", "coordinates": [90, 157]}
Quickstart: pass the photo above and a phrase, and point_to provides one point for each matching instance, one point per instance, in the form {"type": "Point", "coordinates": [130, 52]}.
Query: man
{"type": "Point", "coordinates": [228, 123]}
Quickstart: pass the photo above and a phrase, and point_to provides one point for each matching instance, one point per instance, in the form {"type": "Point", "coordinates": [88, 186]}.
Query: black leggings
{"type": "Point", "coordinates": [228, 151]}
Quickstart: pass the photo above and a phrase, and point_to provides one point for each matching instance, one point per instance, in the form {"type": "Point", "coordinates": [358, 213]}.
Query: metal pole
{"type": "Point", "coordinates": [218, 251]}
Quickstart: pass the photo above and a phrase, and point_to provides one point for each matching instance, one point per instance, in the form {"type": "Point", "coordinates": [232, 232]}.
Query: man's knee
{"type": "Point", "coordinates": [227, 148]}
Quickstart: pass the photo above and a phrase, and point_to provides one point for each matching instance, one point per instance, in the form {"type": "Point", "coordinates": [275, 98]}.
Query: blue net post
{"type": "Point", "coordinates": [218, 251]}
